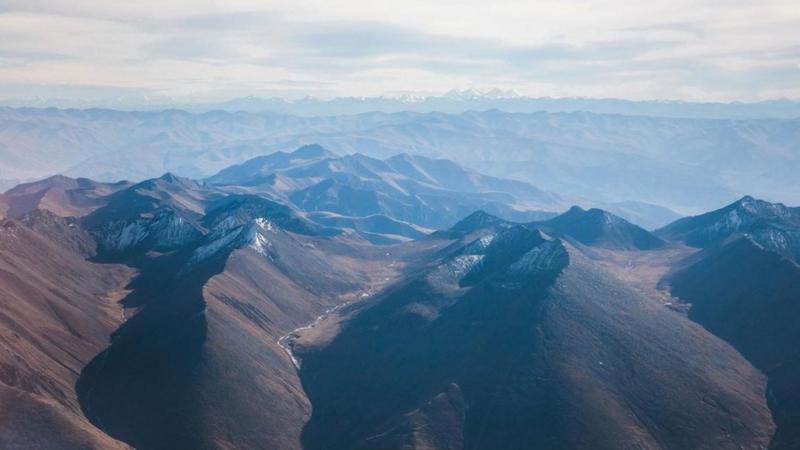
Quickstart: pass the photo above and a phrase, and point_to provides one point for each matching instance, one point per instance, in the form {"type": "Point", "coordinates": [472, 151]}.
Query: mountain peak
{"type": "Point", "coordinates": [763, 208]}
{"type": "Point", "coordinates": [597, 214]}
{"type": "Point", "coordinates": [403, 157]}
{"type": "Point", "coordinates": [476, 221]}
{"type": "Point", "coordinates": [169, 177]}
{"type": "Point", "coordinates": [312, 151]}
{"type": "Point", "coordinates": [58, 180]}
{"type": "Point", "coordinates": [750, 204]}
{"type": "Point", "coordinates": [746, 199]}
{"type": "Point", "coordinates": [478, 94]}
{"type": "Point", "coordinates": [773, 225]}
{"type": "Point", "coordinates": [601, 228]}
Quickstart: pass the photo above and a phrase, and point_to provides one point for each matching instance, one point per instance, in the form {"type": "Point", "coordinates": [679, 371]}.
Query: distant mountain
{"type": "Point", "coordinates": [459, 101]}
{"type": "Point", "coordinates": [383, 201]}
{"type": "Point", "coordinates": [772, 225]}
{"type": "Point", "coordinates": [428, 193]}
{"type": "Point", "coordinates": [602, 158]}
{"type": "Point", "coordinates": [378, 229]}
{"type": "Point", "coordinates": [646, 215]}
{"type": "Point", "coordinates": [61, 195]}
{"type": "Point", "coordinates": [453, 101]}
{"type": "Point", "coordinates": [596, 227]}
{"type": "Point", "coordinates": [259, 169]}
{"type": "Point", "coordinates": [478, 221]}
{"type": "Point", "coordinates": [514, 340]}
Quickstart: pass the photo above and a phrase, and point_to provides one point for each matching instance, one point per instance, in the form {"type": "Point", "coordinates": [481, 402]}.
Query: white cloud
{"type": "Point", "coordinates": [693, 49]}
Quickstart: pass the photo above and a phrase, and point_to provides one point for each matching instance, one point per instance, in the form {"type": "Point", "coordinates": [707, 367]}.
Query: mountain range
{"type": "Point", "coordinates": [454, 101]}
{"type": "Point", "coordinates": [429, 193]}
{"type": "Point", "coordinates": [589, 157]}
{"type": "Point", "coordinates": [310, 300]}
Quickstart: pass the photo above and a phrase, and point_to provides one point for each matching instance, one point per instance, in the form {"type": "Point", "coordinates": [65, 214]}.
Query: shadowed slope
{"type": "Point", "coordinates": [750, 296]}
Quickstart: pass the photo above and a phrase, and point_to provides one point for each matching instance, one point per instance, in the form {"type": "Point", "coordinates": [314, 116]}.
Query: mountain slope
{"type": "Point", "coordinates": [58, 311]}
{"type": "Point", "coordinates": [514, 340]}
{"type": "Point", "coordinates": [4, 205]}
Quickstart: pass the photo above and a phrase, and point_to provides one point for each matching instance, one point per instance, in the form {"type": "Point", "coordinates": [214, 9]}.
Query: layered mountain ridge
{"type": "Point", "coordinates": [427, 192]}
{"type": "Point", "coordinates": [605, 158]}
{"type": "Point", "coordinates": [174, 313]}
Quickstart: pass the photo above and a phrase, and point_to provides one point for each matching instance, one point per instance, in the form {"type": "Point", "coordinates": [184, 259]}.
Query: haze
{"type": "Point", "coordinates": [706, 50]}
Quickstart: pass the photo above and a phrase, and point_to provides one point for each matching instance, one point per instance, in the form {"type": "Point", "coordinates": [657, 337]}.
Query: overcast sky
{"type": "Point", "coordinates": [654, 49]}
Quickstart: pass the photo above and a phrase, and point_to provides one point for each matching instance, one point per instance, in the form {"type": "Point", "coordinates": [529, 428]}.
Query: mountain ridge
{"type": "Point", "coordinates": [605, 158]}
{"type": "Point", "coordinates": [772, 225]}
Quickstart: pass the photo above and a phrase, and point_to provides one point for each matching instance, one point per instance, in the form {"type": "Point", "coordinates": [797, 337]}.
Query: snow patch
{"type": "Point", "coordinates": [457, 268]}
{"type": "Point", "coordinates": [539, 258]}
{"type": "Point", "coordinates": [480, 244]}
{"type": "Point", "coordinates": [164, 231]}
{"type": "Point", "coordinates": [250, 235]}
{"type": "Point", "coordinates": [205, 251]}
{"type": "Point", "coordinates": [265, 224]}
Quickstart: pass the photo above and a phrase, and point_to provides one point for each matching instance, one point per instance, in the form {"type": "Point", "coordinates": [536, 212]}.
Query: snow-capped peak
{"type": "Point", "coordinates": [477, 94]}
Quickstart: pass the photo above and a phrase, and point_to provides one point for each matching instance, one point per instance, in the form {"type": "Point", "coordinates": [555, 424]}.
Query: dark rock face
{"type": "Point", "coordinates": [152, 361]}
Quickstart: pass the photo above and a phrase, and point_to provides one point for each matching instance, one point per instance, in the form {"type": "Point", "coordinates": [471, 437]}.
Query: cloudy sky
{"type": "Point", "coordinates": [656, 49]}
